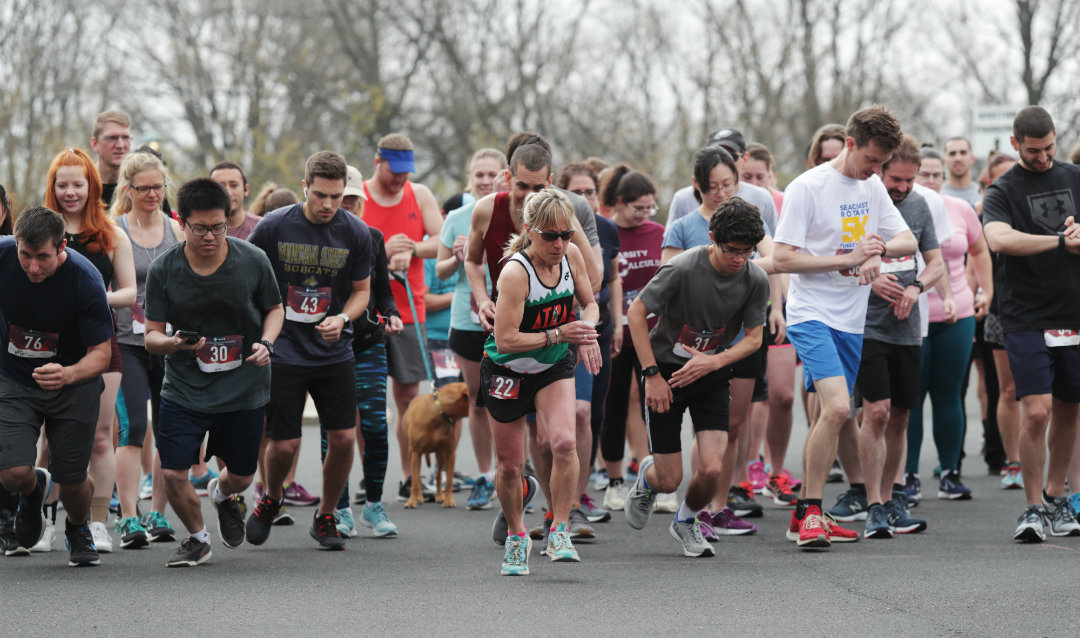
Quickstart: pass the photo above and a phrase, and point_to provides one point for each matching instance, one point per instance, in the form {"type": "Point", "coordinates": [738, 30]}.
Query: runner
{"type": "Point", "coordinates": [959, 160]}
{"type": "Point", "coordinates": [73, 189]}
{"type": "Point", "coordinates": [1029, 220]}
{"type": "Point", "coordinates": [405, 212]}
{"type": "Point", "coordinates": [485, 167]}
{"type": "Point", "coordinates": [232, 178]}
{"type": "Point", "coordinates": [528, 365]}
{"type": "Point", "coordinates": [9, 501]}
{"type": "Point", "coordinates": [137, 210]}
{"type": "Point", "coordinates": [58, 328]}
{"type": "Point", "coordinates": [221, 296]}
{"type": "Point", "coordinates": [838, 222]}
{"type": "Point", "coordinates": [891, 353]}
{"type": "Point", "coordinates": [111, 141]}
{"type": "Point", "coordinates": [703, 297]}
{"type": "Point", "coordinates": [322, 260]}
{"type": "Point", "coordinates": [825, 145]}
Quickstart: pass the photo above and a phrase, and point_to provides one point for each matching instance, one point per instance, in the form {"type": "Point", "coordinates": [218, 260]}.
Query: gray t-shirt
{"type": "Point", "coordinates": [881, 322]}
{"type": "Point", "coordinates": [683, 203]}
{"type": "Point", "coordinates": [698, 306]}
{"type": "Point", "coordinates": [585, 216]}
{"type": "Point", "coordinates": [131, 321]}
{"type": "Point", "coordinates": [969, 194]}
{"type": "Point", "coordinates": [227, 307]}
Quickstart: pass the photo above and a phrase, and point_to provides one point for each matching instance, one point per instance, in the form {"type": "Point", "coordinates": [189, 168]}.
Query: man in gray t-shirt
{"type": "Point", "coordinates": [702, 298]}
{"type": "Point", "coordinates": [889, 371]}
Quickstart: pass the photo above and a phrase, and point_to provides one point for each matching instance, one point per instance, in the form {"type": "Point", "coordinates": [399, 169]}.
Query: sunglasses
{"type": "Point", "coordinates": [552, 235]}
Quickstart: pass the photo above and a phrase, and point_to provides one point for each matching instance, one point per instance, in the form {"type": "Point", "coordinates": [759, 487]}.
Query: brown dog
{"type": "Point", "coordinates": [430, 424]}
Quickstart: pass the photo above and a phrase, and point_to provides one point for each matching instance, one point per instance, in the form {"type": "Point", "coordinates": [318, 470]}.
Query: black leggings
{"type": "Point", "coordinates": [625, 370]}
{"type": "Point", "coordinates": [599, 394]}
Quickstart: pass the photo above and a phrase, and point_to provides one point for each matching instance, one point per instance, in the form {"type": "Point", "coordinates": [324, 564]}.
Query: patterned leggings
{"type": "Point", "coordinates": [371, 400]}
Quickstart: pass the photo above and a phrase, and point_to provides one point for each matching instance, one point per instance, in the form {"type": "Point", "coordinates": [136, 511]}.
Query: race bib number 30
{"type": "Point", "coordinates": [898, 264]}
{"type": "Point", "coordinates": [504, 387]}
{"type": "Point", "coordinates": [704, 341]}
{"type": "Point", "coordinates": [1061, 338]}
{"type": "Point", "coordinates": [307, 305]}
{"type": "Point", "coordinates": [846, 276]}
{"type": "Point", "coordinates": [32, 344]}
{"type": "Point", "coordinates": [219, 354]}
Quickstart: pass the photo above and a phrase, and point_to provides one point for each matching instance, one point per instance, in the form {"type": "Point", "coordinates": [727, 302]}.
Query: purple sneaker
{"type": "Point", "coordinates": [705, 523]}
{"type": "Point", "coordinates": [296, 495]}
{"type": "Point", "coordinates": [725, 523]}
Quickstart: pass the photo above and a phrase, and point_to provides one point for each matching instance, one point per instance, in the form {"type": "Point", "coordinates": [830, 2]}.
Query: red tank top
{"type": "Point", "coordinates": [500, 228]}
{"type": "Point", "coordinates": [403, 217]}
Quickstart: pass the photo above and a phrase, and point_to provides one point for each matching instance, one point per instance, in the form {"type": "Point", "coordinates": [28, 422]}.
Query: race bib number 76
{"type": "Point", "coordinates": [32, 344]}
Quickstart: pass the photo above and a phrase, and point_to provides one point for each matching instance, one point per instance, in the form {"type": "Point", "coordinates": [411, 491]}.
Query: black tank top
{"type": "Point", "coordinates": [101, 261]}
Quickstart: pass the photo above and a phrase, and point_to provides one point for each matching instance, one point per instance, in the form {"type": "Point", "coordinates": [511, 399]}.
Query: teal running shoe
{"type": "Point", "coordinates": [516, 560]}
{"type": "Point", "coordinates": [560, 549]}
{"type": "Point", "coordinates": [131, 532]}
{"type": "Point", "coordinates": [346, 524]}
{"type": "Point", "coordinates": [374, 515]}
{"type": "Point", "coordinates": [158, 529]}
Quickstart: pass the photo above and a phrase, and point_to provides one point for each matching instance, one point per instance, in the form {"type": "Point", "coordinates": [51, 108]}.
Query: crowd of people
{"type": "Point", "coordinates": [145, 342]}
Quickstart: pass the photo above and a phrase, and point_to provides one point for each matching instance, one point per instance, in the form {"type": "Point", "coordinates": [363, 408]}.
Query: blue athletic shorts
{"type": "Point", "coordinates": [1040, 369]}
{"type": "Point", "coordinates": [234, 437]}
{"type": "Point", "coordinates": [826, 352]}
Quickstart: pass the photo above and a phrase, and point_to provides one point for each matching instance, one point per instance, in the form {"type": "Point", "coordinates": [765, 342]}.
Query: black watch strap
{"type": "Point", "coordinates": [651, 371]}
{"type": "Point", "coordinates": [918, 284]}
{"type": "Point", "coordinates": [269, 346]}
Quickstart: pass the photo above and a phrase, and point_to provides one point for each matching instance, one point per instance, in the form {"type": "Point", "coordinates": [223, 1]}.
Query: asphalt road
{"type": "Point", "coordinates": [963, 577]}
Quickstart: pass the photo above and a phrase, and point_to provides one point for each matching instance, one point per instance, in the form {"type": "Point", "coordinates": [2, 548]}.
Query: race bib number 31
{"type": "Point", "coordinates": [504, 387]}
{"type": "Point", "coordinates": [704, 341]}
{"type": "Point", "coordinates": [1061, 338]}
{"type": "Point", "coordinates": [219, 354]}
{"type": "Point", "coordinates": [307, 305]}
{"type": "Point", "coordinates": [32, 344]}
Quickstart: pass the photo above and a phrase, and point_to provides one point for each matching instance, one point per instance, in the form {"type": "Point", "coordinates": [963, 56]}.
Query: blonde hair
{"type": "Point", "coordinates": [483, 153]}
{"type": "Point", "coordinates": [132, 165]}
{"type": "Point", "coordinates": [542, 210]}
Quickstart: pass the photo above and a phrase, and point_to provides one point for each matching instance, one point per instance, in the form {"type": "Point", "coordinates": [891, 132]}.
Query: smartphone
{"type": "Point", "coordinates": [189, 336]}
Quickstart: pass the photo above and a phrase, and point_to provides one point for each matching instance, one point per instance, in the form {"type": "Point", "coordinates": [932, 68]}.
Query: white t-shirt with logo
{"type": "Point", "coordinates": [826, 214]}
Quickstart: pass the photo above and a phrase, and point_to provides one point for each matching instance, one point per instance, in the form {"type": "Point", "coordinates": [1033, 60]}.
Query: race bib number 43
{"type": "Point", "coordinates": [1061, 338]}
{"type": "Point", "coordinates": [704, 341]}
{"type": "Point", "coordinates": [504, 387]}
{"type": "Point", "coordinates": [219, 354]}
{"type": "Point", "coordinates": [32, 344]}
{"type": "Point", "coordinates": [307, 305]}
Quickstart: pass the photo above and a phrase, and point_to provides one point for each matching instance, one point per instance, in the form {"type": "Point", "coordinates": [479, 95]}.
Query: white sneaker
{"type": "Point", "coordinates": [45, 544]}
{"type": "Point", "coordinates": [667, 503]}
{"type": "Point", "coordinates": [102, 540]}
{"type": "Point", "coordinates": [615, 495]}
{"type": "Point", "coordinates": [146, 487]}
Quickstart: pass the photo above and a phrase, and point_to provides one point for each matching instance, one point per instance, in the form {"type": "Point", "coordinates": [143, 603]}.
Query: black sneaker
{"type": "Point", "coordinates": [284, 517]}
{"type": "Point", "coordinates": [190, 553]}
{"type": "Point", "coordinates": [80, 542]}
{"type": "Point", "coordinates": [404, 492]}
{"type": "Point", "coordinates": [744, 505]}
{"type": "Point", "coordinates": [361, 494]}
{"type": "Point", "coordinates": [30, 518]}
{"type": "Point", "coordinates": [230, 517]}
{"type": "Point", "coordinates": [260, 521]}
{"type": "Point", "coordinates": [836, 473]}
{"type": "Point", "coordinates": [500, 528]}
{"type": "Point", "coordinates": [324, 529]}
{"type": "Point", "coordinates": [7, 533]}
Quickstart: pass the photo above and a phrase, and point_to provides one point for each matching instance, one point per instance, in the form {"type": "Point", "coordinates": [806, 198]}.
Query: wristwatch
{"type": "Point", "coordinates": [918, 284]}
{"type": "Point", "coordinates": [269, 346]}
{"type": "Point", "coordinates": [345, 317]}
{"type": "Point", "coordinates": [1061, 241]}
{"type": "Point", "coordinates": [651, 371]}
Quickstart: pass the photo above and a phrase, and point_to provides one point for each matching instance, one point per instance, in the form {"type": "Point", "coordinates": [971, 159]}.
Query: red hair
{"type": "Point", "coordinates": [97, 228]}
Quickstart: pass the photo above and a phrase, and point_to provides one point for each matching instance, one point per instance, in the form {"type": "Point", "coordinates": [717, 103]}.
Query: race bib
{"type": "Point", "coordinates": [704, 341]}
{"type": "Point", "coordinates": [307, 305]}
{"type": "Point", "coordinates": [846, 276]}
{"type": "Point", "coordinates": [1061, 338]}
{"type": "Point", "coordinates": [446, 364]}
{"type": "Point", "coordinates": [219, 354]}
{"type": "Point", "coordinates": [474, 310]}
{"type": "Point", "coordinates": [504, 387]}
{"type": "Point", "coordinates": [32, 344]}
{"type": "Point", "coordinates": [138, 318]}
{"type": "Point", "coordinates": [899, 264]}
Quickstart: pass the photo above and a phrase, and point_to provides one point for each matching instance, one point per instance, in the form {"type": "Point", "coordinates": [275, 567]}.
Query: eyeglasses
{"type": "Point", "coordinates": [748, 253]}
{"type": "Point", "coordinates": [719, 188]}
{"type": "Point", "coordinates": [645, 210]}
{"type": "Point", "coordinates": [929, 175]}
{"type": "Point", "coordinates": [199, 229]}
{"type": "Point", "coordinates": [552, 235]}
{"type": "Point", "coordinates": [113, 139]}
{"type": "Point", "coordinates": [587, 192]}
{"type": "Point", "coordinates": [143, 190]}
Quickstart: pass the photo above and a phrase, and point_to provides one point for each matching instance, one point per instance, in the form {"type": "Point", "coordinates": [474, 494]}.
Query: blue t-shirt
{"type": "Point", "coordinates": [315, 265]}
{"type": "Point", "coordinates": [438, 321]}
{"type": "Point", "coordinates": [687, 232]}
{"type": "Point", "coordinates": [54, 321]}
{"type": "Point", "coordinates": [609, 248]}
{"type": "Point", "coordinates": [462, 310]}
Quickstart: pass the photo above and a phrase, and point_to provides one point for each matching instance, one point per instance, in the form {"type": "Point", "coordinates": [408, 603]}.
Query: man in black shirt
{"type": "Point", "coordinates": [1028, 215]}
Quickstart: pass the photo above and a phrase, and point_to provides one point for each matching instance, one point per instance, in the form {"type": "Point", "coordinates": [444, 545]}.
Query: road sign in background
{"type": "Point", "coordinates": [992, 127]}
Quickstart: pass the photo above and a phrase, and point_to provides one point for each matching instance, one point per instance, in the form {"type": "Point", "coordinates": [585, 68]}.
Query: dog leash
{"type": "Point", "coordinates": [399, 275]}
